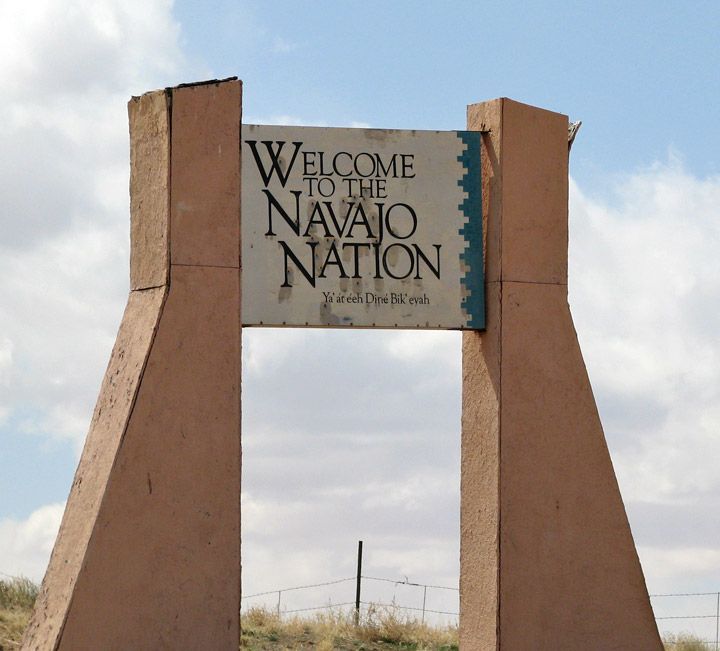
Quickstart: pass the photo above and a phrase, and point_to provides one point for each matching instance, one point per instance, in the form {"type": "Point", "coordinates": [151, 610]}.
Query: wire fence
{"type": "Point", "coordinates": [695, 613]}
{"type": "Point", "coordinates": [279, 593]}
{"type": "Point", "coordinates": [424, 606]}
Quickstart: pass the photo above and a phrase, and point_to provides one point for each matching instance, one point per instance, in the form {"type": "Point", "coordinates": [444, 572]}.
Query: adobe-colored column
{"type": "Point", "coordinates": [148, 554]}
{"type": "Point", "coordinates": [547, 557]}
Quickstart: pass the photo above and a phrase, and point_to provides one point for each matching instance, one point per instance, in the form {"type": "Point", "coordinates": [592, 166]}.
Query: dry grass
{"type": "Point", "coordinates": [17, 597]}
{"type": "Point", "coordinates": [685, 642]}
{"type": "Point", "coordinates": [381, 628]}
{"type": "Point", "coordinates": [384, 623]}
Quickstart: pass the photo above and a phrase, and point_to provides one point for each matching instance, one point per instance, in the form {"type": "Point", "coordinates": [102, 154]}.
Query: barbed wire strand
{"type": "Point", "coordinates": [367, 603]}
{"type": "Point", "coordinates": [399, 607]}
{"type": "Point", "coordinates": [688, 617]}
{"type": "Point", "coordinates": [403, 582]}
{"type": "Point", "coordinates": [298, 587]}
{"type": "Point", "coordinates": [686, 594]}
{"type": "Point", "coordinates": [427, 585]}
{"type": "Point", "coordinates": [300, 610]}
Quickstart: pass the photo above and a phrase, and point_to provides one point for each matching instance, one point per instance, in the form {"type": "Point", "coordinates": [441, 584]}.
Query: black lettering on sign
{"type": "Point", "coordinates": [276, 162]}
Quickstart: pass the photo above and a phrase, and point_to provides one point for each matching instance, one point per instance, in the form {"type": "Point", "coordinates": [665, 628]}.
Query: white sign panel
{"type": "Point", "coordinates": [361, 228]}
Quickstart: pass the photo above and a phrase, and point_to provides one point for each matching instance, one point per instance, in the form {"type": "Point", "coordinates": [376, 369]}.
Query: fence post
{"type": "Point", "coordinates": [424, 597]}
{"type": "Point", "coordinates": [357, 583]}
{"type": "Point", "coordinates": [717, 622]}
{"type": "Point", "coordinates": [278, 605]}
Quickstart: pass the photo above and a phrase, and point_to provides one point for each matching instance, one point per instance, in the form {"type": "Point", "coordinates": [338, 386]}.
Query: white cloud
{"type": "Point", "coordinates": [346, 435]}
{"type": "Point", "coordinates": [300, 537]}
{"type": "Point", "coordinates": [425, 347]}
{"type": "Point", "coordinates": [357, 433]}
{"type": "Point", "coordinates": [67, 71]}
{"type": "Point", "coordinates": [25, 545]}
{"type": "Point", "coordinates": [6, 349]}
{"type": "Point", "coordinates": [266, 349]}
{"type": "Point", "coordinates": [52, 52]}
{"type": "Point", "coordinates": [668, 566]}
{"type": "Point", "coordinates": [63, 298]}
{"type": "Point", "coordinates": [645, 290]}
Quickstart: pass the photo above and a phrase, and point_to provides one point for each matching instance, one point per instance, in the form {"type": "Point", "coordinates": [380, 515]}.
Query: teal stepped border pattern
{"type": "Point", "coordinates": [473, 277]}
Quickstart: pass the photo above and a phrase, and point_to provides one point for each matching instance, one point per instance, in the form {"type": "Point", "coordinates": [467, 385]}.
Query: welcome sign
{"type": "Point", "coordinates": [361, 228]}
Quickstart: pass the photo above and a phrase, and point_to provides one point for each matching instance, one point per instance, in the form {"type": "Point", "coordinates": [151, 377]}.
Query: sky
{"type": "Point", "coordinates": [382, 464]}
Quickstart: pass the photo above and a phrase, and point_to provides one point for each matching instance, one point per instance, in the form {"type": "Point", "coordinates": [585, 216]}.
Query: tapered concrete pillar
{"type": "Point", "coordinates": [547, 557]}
{"type": "Point", "coordinates": [148, 554]}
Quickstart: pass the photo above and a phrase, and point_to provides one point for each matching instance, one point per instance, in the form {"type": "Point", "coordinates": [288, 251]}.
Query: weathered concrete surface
{"type": "Point", "coordinates": [479, 480]}
{"type": "Point", "coordinates": [114, 405]}
{"type": "Point", "coordinates": [149, 181]}
{"type": "Point", "coordinates": [162, 567]}
{"type": "Point", "coordinates": [206, 164]}
{"type": "Point", "coordinates": [549, 542]}
{"type": "Point", "coordinates": [148, 555]}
